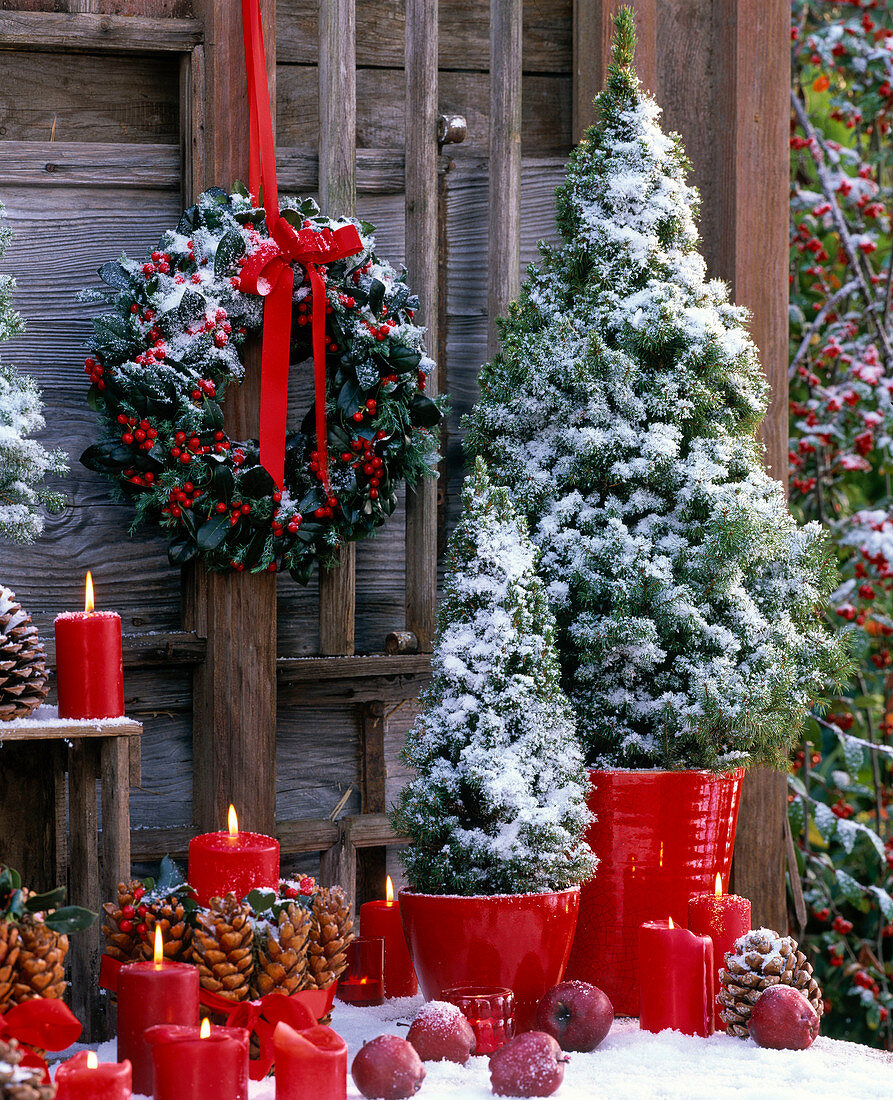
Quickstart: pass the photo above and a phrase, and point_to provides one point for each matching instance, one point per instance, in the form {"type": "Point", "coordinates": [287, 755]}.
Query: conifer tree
{"type": "Point", "coordinates": [498, 804]}
{"type": "Point", "coordinates": [622, 414]}
{"type": "Point", "coordinates": [24, 463]}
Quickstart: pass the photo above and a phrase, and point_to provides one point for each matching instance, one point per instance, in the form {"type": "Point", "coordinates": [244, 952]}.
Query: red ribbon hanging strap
{"type": "Point", "coordinates": [268, 270]}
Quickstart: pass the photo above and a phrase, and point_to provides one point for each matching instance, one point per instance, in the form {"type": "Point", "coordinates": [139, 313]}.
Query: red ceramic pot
{"type": "Point", "coordinates": [521, 941]}
{"type": "Point", "coordinates": [660, 837]}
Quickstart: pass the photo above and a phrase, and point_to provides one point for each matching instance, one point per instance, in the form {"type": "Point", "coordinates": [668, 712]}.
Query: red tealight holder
{"type": "Point", "coordinates": [489, 1009]}
{"type": "Point", "coordinates": [362, 983]}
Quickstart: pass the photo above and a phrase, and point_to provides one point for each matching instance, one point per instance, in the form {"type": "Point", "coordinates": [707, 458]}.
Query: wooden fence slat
{"type": "Point", "coordinates": [93, 164]}
{"type": "Point", "coordinates": [505, 159]}
{"type": "Point", "coordinates": [83, 31]}
{"type": "Point", "coordinates": [421, 261]}
{"type": "Point", "coordinates": [115, 778]}
{"type": "Point", "coordinates": [338, 196]}
{"type": "Point", "coordinates": [84, 884]}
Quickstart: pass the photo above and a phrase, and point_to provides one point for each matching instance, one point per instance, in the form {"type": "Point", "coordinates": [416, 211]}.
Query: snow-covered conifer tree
{"type": "Point", "coordinates": [498, 805]}
{"type": "Point", "coordinates": [24, 463]}
{"type": "Point", "coordinates": [622, 415]}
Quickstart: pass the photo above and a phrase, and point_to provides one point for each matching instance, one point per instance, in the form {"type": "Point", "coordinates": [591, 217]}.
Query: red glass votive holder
{"type": "Point", "coordinates": [362, 983]}
{"type": "Point", "coordinates": [489, 1009]}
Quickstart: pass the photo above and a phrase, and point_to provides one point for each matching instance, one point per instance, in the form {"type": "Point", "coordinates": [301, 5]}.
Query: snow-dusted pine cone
{"type": "Point", "coordinates": [331, 930]}
{"type": "Point", "coordinates": [762, 958]}
{"type": "Point", "coordinates": [23, 670]}
{"type": "Point", "coordinates": [9, 953]}
{"type": "Point", "coordinates": [223, 949]}
{"type": "Point", "coordinates": [20, 1082]}
{"type": "Point", "coordinates": [175, 932]}
{"type": "Point", "coordinates": [40, 969]}
{"type": "Point", "coordinates": [282, 953]}
{"type": "Point", "coordinates": [120, 921]}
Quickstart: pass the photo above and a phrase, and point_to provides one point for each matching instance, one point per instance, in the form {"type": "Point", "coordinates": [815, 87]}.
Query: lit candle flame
{"type": "Point", "coordinates": [671, 922]}
{"type": "Point", "coordinates": [718, 884]}
{"type": "Point", "coordinates": [89, 602]}
{"type": "Point", "coordinates": [158, 952]}
{"type": "Point", "coordinates": [205, 1029]}
{"type": "Point", "coordinates": [389, 890]}
{"type": "Point", "coordinates": [233, 821]}
{"type": "Point", "coordinates": [92, 1060]}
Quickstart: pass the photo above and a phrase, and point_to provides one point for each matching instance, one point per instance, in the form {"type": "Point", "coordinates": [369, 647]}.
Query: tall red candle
{"type": "Point", "coordinates": [89, 667]}
{"type": "Point", "coordinates": [677, 979]}
{"type": "Point", "coordinates": [232, 861]}
{"type": "Point", "coordinates": [195, 1064]}
{"type": "Point", "coordinates": [722, 917]}
{"type": "Point", "coordinates": [150, 993]}
{"type": "Point", "coordinates": [381, 920]}
{"type": "Point", "coordinates": [310, 1063]}
{"type": "Point", "coordinates": [84, 1078]}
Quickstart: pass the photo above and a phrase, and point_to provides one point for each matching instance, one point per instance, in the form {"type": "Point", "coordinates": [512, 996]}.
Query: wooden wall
{"type": "Point", "coordinates": [90, 163]}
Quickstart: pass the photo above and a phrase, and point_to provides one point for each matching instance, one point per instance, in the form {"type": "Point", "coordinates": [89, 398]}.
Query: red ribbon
{"type": "Point", "coordinates": [268, 270]}
{"type": "Point", "coordinates": [45, 1023]}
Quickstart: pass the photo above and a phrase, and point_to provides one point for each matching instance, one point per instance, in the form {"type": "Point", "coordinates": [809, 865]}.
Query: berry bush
{"type": "Point", "coordinates": [841, 459]}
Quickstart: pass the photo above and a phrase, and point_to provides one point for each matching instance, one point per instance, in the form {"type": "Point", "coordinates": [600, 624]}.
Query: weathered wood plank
{"type": "Point", "coordinates": [422, 265]}
{"type": "Point", "coordinates": [83, 33]}
{"type": "Point", "coordinates": [60, 730]}
{"type": "Point", "coordinates": [114, 760]}
{"type": "Point", "coordinates": [84, 887]}
{"type": "Point", "coordinates": [301, 670]}
{"type": "Point", "coordinates": [90, 164]}
{"type": "Point", "coordinates": [463, 26]}
{"type": "Point", "coordinates": [504, 252]}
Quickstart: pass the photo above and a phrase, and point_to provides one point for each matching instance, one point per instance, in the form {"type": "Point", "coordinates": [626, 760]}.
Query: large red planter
{"type": "Point", "coordinates": [660, 837]}
{"type": "Point", "coordinates": [521, 941]}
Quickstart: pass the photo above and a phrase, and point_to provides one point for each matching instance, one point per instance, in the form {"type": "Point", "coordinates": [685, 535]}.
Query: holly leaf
{"type": "Point", "coordinates": [114, 275]}
{"type": "Point", "coordinates": [40, 903]}
{"type": "Point", "coordinates": [107, 458]}
{"type": "Point", "coordinates": [350, 398]}
{"type": "Point", "coordinates": [171, 879]}
{"type": "Point", "coordinates": [851, 890]}
{"type": "Point", "coordinates": [189, 219]}
{"type": "Point", "coordinates": [376, 295]}
{"type": "Point", "coordinates": [181, 551]}
{"type": "Point", "coordinates": [402, 359]}
{"type": "Point", "coordinates": [826, 821]}
{"type": "Point", "coordinates": [213, 531]}
{"type": "Point", "coordinates": [71, 918]}
{"type": "Point", "coordinates": [885, 902]}
{"type": "Point", "coordinates": [854, 755]}
{"type": "Point", "coordinates": [423, 412]}
{"type": "Point", "coordinates": [256, 482]}
{"type": "Point", "coordinates": [222, 483]}
{"type": "Point", "coordinates": [230, 248]}
{"type": "Point", "coordinates": [261, 900]}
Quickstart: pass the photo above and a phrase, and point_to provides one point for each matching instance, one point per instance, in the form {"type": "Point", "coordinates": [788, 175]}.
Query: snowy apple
{"type": "Point", "coordinates": [388, 1068]}
{"type": "Point", "coordinates": [577, 1014]}
{"type": "Point", "coordinates": [531, 1064]}
{"type": "Point", "coordinates": [440, 1033]}
{"type": "Point", "coordinates": [783, 1019]}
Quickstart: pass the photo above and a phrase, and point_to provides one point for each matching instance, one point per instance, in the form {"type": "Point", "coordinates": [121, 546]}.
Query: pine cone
{"type": "Point", "coordinates": [9, 953]}
{"type": "Point", "coordinates": [122, 944]}
{"type": "Point", "coordinates": [175, 932]}
{"type": "Point", "coordinates": [40, 971]}
{"type": "Point", "coordinates": [282, 954]}
{"type": "Point", "coordinates": [222, 948]}
{"type": "Point", "coordinates": [23, 670]}
{"type": "Point", "coordinates": [18, 1082]}
{"type": "Point", "coordinates": [762, 958]}
{"type": "Point", "coordinates": [331, 930]}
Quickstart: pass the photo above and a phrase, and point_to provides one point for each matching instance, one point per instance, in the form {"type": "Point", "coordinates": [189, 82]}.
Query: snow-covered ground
{"type": "Point", "coordinates": [634, 1065]}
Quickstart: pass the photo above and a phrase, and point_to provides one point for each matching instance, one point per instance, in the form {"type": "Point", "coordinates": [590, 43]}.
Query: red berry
{"type": "Point", "coordinates": [126, 926]}
{"type": "Point", "coordinates": [142, 930]}
{"type": "Point", "coordinates": [221, 507]}
{"type": "Point", "coordinates": [373, 494]}
{"type": "Point", "coordinates": [291, 892]}
{"type": "Point", "coordinates": [357, 417]}
{"type": "Point", "coordinates": [127, 438]}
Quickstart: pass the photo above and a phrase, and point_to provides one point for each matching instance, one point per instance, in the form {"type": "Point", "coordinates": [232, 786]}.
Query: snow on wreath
{"type": "Point", "coordinates": [161, 361]}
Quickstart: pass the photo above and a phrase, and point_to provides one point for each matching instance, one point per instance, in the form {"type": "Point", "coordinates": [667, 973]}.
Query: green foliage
{"type": "Point", "coordinates": [16, 904]}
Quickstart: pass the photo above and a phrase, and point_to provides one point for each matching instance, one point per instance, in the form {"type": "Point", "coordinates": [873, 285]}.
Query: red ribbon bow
{"type": "Point", "coordinates": [45, 1023]}
{"type": "Point", "coordinates": [261, 1017]}
{"type": "Point", "coordinates": [268, 270]}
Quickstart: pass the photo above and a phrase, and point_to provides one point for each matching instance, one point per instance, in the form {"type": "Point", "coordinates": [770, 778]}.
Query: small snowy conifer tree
{"type": "Point", "coordinates": [499, 802]}
{"type": "Point", "coordinates": [24, 463]}
{"type": "Point", "coordinates": [622, 415]}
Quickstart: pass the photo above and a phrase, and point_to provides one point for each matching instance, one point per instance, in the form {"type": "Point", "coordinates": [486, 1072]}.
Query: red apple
{"type": "Point", "coordinates": [440, 1033]}
{"type": "Point", "coordinates": [783, 1019]}
{"type": "Point", "coordinates": [388, 1068]}
{"type": "Point", "coordinates": [528, 1065]}
{"type": "Point", "coordinates": [577, 1014]}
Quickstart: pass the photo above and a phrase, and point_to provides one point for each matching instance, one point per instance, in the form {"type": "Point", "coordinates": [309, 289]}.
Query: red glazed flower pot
{"type": "Point", "coordinates": [521, 941]}
{"type": "Point", "coordinates": [660, 837]}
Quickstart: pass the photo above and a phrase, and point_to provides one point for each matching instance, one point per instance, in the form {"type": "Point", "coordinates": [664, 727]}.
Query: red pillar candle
{"type": "Point", "coordinates": [89, 668]}
{"type": "Point", "coordinates": [677, 979]}
{"type": "Point", "coordinates": [309, 1063]}
{"type": "Point", "coordinates": [381, 920]}
{"type": "Point", "coordinates": [192, 1063]}
{"type": "Point", "coordinates": [83, 1077]}
{"type": "Point", "coordinates": [150, 993]}
{"type": "Point", "coordinates": [722, 917]}
{"type": "Point", "coordinates": [220, 863]}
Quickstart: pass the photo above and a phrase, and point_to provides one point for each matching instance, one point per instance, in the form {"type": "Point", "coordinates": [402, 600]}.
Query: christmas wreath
{"type": "Point", "coordinates": [160, 364]}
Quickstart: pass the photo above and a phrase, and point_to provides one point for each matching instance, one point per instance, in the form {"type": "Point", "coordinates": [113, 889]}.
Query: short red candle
{"type": "Point", "coordinates": [149, 994]}
{"type": "Point", "coordinates": [381, 920]}
{"type": "Point", "coordinates": [310, 1063]}
{"type": "Point", "coordinates": [722, 917]}
{"type": "Point", "coordinates": [89, 668]}
{"type": "Point", "coordinates": [77, 1080]}
{"type": "Point", "coordinates": [220, 863]}
{"type": "Point", "coordinates": [677, 979]}
{"type": "Point", "coordinates": [189, 1067]}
